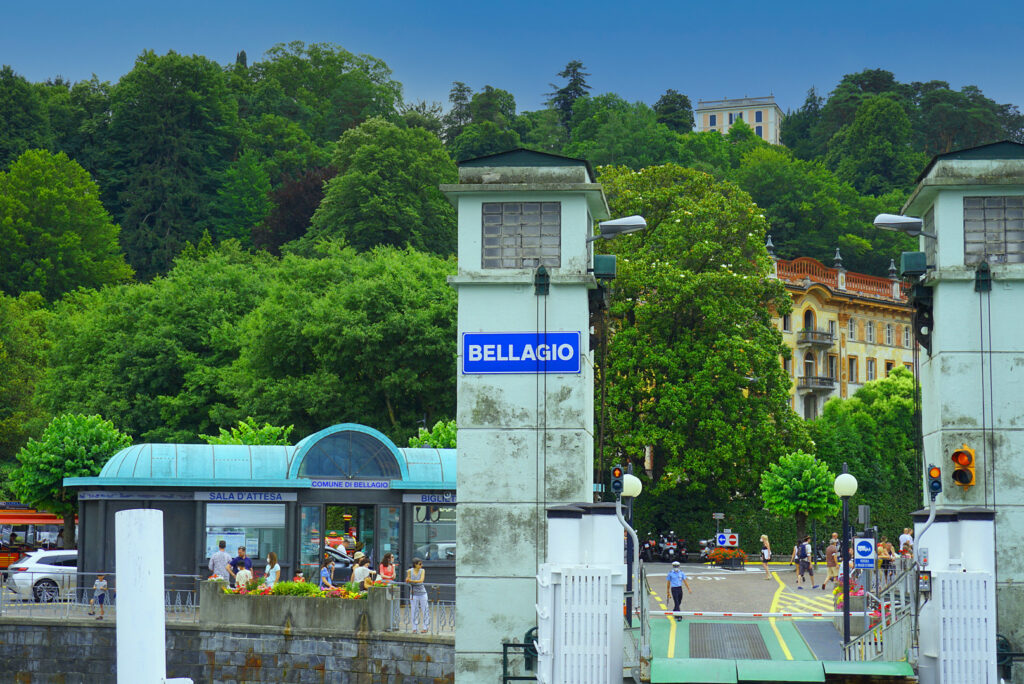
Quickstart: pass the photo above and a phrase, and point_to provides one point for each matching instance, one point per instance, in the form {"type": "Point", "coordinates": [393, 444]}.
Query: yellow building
{"type": "Point", "coordinates": [760, 113]}
{"type": "Point", "coordinates": [845, 329]}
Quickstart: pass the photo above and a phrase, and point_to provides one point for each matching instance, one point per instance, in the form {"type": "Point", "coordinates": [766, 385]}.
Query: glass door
{"type": "Point", "coordinates": [351, 529]}
{"type": "Point", "coordinates": [309, 543]}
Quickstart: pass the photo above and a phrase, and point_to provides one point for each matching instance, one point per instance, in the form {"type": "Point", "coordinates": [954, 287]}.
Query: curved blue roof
{"type": "Point", "coordinates": [200, 462]}
{"type": "Point", "coordinates": [346, 451]}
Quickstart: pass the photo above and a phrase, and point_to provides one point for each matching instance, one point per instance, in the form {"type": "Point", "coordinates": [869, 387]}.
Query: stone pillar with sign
{"type": "Point", "coordinates": [525, 384]}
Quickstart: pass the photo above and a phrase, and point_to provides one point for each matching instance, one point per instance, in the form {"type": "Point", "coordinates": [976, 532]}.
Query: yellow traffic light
{"type": "Point", "coordinates": [963, 466]}
{"type": "Point", "coordinates": [934, 480]}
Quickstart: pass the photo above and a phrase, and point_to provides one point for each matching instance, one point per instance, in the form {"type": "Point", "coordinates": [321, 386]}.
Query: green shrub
{"type": "Point", "coordinates": [295, 589]}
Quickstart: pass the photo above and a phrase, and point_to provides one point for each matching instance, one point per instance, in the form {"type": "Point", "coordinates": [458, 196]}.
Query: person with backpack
{"type": "Point", "coordinates": [803, 559]}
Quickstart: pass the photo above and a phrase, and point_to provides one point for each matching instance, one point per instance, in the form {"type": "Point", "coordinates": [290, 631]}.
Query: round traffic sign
{"type": "Point", "coordinates": [721, 539]}
{"type": "Point", "coordinates": [864, 548]}
{"type": "Point", "coordinates": [733, 540]}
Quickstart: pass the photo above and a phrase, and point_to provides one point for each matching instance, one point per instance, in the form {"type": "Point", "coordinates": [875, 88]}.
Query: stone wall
{"type": "Point", "coordinates": [45, 651]}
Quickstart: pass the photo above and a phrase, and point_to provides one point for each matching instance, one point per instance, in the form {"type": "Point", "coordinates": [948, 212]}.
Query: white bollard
{"type": "Point", "coordinates": [139, 555]}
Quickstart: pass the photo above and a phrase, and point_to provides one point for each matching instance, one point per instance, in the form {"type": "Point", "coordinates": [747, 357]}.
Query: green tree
{"type": "Point", "coordinates": [249, 431]}
{"type": "Point", "coordinates": [243, 200]}
{"type": "Point", "coordinates": [386, 190]}
{"type": "Point", "coordinates": [563, 100]}
{"type": "Point", "coordinates": [797, 126]}
{"type": "Point", "coordinates": [874, 433]}
{"type": "Point", "coordinates": [874, 152]}
{"type": "Point", "coordinates": [55, 233]}
{"type": "Point", "coordinates": [494, 105]}
{"type": "Point", "coordinates": [285, 150]}
{"type": "Point", "coordinates": [811, 212]}
{"type": "Point", "coordinates": [421, 114]}
{"type": "Point", "coordinates": [799, 486]}
{"type": "Point", "coordinates": [329, 343]}
{"type": "Point", "coordinates": [675, 111]}
{"type": "Point", "coordinates": [479, 139]}
{"type": "Point", "coordinates": [693, 360]}
{"type": "Point", "coordinates": [23, 343]}
{"type": "Point", "coordinates": [541, 130]}
{"type": "Point", "coordinates": [608, 130]}
{"type": "Point", "coordinates": [173, 126]}
{"type": "Point", "coordinates": [459, 115]}
{"type": "Point", "coordinates": [24, 123]}
{"type": "Point", "coordinates": [149, 355]}
{"type": "Point", "coordinates": [70, 446]}
{"type": "Point", "coordinates": [441, 436]}
{"type": "Point", "coordinates": [324, 88]}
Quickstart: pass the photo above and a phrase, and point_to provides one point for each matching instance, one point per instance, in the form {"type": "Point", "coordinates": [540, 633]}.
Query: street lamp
{"type": "Point", "coordinates": [620, 226]}
{"type": "Point", "coordinates": [845, 487]}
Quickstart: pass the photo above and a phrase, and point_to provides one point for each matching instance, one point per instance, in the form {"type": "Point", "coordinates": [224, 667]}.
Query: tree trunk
{"type": "Point", "coordinates": [69, 531]}
{"type": "Point", "coordinates": [801, 526]}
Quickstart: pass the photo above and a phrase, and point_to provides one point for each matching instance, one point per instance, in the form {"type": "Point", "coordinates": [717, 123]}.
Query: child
{"type": "Point", "coordinates": [99, 595]}
{"type": "Point", "coordinates": [243, 577]}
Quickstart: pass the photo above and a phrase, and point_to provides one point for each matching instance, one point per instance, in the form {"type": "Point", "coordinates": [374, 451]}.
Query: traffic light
{"type": "Point", "coordinates": [617, 474]}
{"type": "Point", "coordinates": [934, 481]}
{"type": "Point", "coordinates": [963, 466]}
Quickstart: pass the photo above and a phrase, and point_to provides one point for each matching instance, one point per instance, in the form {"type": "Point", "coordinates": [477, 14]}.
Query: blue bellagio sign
{"type": "Point", "coordinates": [527, 352]}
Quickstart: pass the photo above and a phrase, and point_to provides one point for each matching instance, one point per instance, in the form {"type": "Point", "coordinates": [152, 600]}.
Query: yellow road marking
{"type": "Point", "coordinates": [774, 609]}
{"type": "Point", "coordinates": [671, 629]}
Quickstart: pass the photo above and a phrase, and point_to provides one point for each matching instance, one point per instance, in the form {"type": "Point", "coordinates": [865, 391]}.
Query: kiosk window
{"type": "Point", "coordinates": [257, 527]}
{"type": "Point", "coordinates": [309, 541]}
{"type": "Point", "coordinates": [433, 532]}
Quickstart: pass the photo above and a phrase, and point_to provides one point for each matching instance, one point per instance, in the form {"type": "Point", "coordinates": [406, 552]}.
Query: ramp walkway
{"type": "Point", "coordinates": [730, 651]}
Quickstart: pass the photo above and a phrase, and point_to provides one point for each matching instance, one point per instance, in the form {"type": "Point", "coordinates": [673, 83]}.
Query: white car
{"type": "Point", "coordinates": [44, 575]}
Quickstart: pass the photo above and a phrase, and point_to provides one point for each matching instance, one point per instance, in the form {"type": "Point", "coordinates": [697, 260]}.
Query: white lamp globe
{"type": "Point", "coordinates": [631, 485]}
{"type": "Point", "coordinates": [845, 485]}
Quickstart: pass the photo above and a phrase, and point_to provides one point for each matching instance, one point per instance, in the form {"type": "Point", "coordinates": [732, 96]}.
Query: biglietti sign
{"type": "Point", "coordinates": [522, 352]}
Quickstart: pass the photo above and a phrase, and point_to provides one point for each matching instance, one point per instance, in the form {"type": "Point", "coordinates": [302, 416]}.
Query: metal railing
{"type": "Point", "coordinates": [890, 635]}
{"type": "Point", "coordinates": [634, 649]}
{"type": "Point", "coordinates": [438, 617]}
{"type": "Point", "coordinates": [49, 594]}
{"type": "Point", "coordinates": [815, 382]}
{"type": "Point", "coordinates": [812, 336]}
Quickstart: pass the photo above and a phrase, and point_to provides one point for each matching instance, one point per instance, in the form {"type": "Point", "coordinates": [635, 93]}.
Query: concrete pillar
{"type": "Point", "coordinates": [139, 551]}
{"type": "Point", "coordinates": [526, 431]}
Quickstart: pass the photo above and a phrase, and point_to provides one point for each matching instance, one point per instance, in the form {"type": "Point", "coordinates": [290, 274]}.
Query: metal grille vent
{"type": "Point", "coordinates": [728, 642]}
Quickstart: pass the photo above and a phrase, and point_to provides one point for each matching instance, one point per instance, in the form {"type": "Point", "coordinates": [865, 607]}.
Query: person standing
{"type": "Point", "coordinates": [831, 564]}
{"type": "Point", "coordinates": [906, 538]}
{"type": "Point", "coordinates": [220, 563]}
{"type": "Point", "coordinates": [273, 571]}
{"type": "Point", "coordinates": [420, 613]}
{"type": "Point", "coordinates": [241, 561]}
{"type": "Point", "coordinates": [327, 575]}
{"type": "Point", "coordinates": [766, 555]}
{"type": "Point", "coordinates": [674, 582]}
{"type": "Point", "coordinates": [804, 556]}
{"type": "Point", "coordinates": [99, 595]}
{"type": "Point", "coordinates": [386, 571]}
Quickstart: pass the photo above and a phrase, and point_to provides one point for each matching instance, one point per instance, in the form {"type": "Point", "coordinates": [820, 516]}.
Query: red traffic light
{"type": "Point", "coordinates": [963, 466]}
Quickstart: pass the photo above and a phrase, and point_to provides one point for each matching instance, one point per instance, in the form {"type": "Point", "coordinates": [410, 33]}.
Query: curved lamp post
{"type": "Point", "coordinates": [845, 487]}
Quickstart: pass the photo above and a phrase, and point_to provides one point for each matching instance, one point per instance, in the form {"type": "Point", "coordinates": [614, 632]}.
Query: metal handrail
{"type": "Point", "coordinates": [815, 382]}
{"type": "Point", "coordinates": [892, 637]}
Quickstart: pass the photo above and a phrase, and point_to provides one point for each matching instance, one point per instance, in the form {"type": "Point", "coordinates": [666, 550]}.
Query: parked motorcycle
{"type": "Point", "coordinates": [649, 549]}
{"type": "Point", "coordinates": [668, 547]}
{"type": "Point", "coordinates": [706, 546]}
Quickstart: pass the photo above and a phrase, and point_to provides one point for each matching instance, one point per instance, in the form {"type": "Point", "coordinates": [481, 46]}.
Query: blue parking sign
{"type": "Point", "coordinates": [864, 553]}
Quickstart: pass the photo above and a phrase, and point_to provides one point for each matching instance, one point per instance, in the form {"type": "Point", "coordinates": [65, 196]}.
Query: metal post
{"type": "Point", "coordinates": [846, 570]}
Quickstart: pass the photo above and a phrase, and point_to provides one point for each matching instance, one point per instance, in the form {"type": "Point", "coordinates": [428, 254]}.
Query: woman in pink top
{"type": "Point", "coordinates": [387, 568]}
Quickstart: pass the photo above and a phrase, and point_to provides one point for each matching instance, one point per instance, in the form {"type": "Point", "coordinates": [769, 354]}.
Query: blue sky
{"type": "Point", "coordinates": [707, 50]}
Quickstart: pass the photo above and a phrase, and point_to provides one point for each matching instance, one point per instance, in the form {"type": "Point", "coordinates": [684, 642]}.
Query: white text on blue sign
{"type": "Point", "coordinates": [526, 352]}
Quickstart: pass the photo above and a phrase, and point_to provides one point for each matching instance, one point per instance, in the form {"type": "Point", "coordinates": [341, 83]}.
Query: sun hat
{"type": "Point", "coordinates": [358, 555]}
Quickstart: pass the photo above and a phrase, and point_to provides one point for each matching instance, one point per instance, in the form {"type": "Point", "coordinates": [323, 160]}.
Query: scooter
{"type": "Point", "coordinates": [668, 547]}
{"type": "Point", "coordinates": [649, 549]}
{"type": "Point", "coordinates": [706, 546]}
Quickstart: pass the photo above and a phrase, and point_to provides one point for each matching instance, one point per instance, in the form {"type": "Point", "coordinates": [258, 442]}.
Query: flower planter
{"type": "Point", "coordinates": [298, 612]}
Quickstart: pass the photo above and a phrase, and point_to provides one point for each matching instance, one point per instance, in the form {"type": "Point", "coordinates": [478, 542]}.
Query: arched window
{"type": "Point", "coordinates": [809, 365]}
{"type": "Point", "coordinates": [808, 320]}
{"type": "Point", "coordinates": [350, 455]}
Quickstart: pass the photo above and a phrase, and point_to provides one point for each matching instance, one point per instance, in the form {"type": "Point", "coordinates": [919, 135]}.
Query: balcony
{"type": "Point", "coordinates": [823, 338]}
{"type": "Point", "coordinates": [816, 383]}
